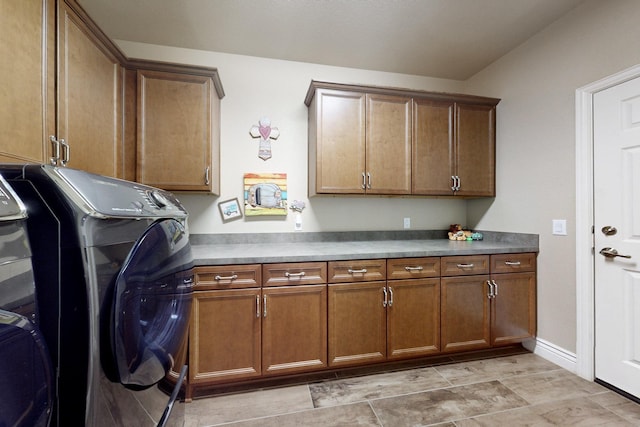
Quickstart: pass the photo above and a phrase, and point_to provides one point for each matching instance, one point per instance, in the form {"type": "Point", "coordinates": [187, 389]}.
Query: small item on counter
{"type": "Point", "coordinates": [456, 232]}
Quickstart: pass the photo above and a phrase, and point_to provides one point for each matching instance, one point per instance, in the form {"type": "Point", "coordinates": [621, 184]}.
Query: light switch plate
{"type": "Point", "coordinates": [559, 227]}
{"type": "Point", "coordinates": [407, 223]}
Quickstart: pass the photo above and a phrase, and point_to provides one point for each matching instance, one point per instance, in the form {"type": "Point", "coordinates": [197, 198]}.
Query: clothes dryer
{"type": "Point", "coordinates": [26, 381]}
{"type": "Point", "coordinates": [122, 253]}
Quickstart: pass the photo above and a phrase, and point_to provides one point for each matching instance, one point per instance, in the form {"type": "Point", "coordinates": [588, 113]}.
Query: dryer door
{"type": "Point", "coordinates": [26, 379]}
{"type": "Point", "coordinates": [152, 304]}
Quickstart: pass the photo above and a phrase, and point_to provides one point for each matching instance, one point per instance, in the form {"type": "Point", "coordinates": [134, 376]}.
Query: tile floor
{"type": "Point", "coordinates": [513, 390]}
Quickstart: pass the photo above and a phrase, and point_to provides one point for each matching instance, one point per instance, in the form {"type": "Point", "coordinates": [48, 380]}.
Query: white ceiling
{"type": "Point", "coordinates": [451, 39]}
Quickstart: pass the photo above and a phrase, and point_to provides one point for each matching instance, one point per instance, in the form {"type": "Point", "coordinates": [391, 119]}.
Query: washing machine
{"type": "Point", "coordinates": [26, 379]}
{"type": "Point", "coordinates": [119, 313]}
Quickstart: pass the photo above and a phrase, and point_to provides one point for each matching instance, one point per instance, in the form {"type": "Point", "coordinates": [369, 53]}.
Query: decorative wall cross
{"type": "Point", "coordinates": [266, 133]}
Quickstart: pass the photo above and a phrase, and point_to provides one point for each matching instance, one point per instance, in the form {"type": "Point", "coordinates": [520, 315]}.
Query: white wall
{"type": "Point", "coordinates": [257, 87]}
{"type": "Point", "coordinates": [536, 141]}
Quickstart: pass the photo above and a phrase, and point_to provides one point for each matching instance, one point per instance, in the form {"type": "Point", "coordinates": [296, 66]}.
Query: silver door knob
{"type": "Point", "coordinates": [612, 253]}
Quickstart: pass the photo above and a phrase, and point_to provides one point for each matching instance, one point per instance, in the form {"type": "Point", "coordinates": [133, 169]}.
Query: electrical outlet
{"type": "Point", "coordinates": [407, 223]}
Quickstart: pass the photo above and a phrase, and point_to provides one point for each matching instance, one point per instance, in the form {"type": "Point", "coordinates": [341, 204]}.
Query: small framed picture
{"type": "Point", "coordinates": [230, 210]}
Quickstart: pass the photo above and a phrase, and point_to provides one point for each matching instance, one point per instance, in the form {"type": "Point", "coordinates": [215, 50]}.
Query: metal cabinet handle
{"type": "Point", "coordinates": [55, 146]}
{"type": "Point", "coordinates": [258, 306]}
{"type": "Point", "coordinates": [206, 175]}
{"type": "Point", "coordinates": [233, 277]}
{"type": "Point", "coordinates": [362, 270]}
{"type": "Point", "coordinates": [368, 180]}
{"type": "Point", "coordinates": [364, 181]}
{"type": "Point", "coordinates": [384, 301]}
{"type": "Point", "coordinates": [417, 268]}
{"type": "Point", "coordinates": [457, 183]}
{"type": "Point", "coordinates": [453, 183]}
{"type": "Point", "coordinates": [514, 263]}
{"type": "Point", "coordinates": [490, 295]}
{"type": "Point", "coordinates": [287, 274]}
{"type": "Point", "coordinates": [612, 253]}
{"type": "Point", "coordinates": [264, 306]}
{"type": "Point", "coordinates": [66, 152]}
{"type": "Point", "coordinates": [465, 265]}
{"type": "Point", "coordinates": [390, 297]}
{"type": "Point", "coordinates": [495, 288]}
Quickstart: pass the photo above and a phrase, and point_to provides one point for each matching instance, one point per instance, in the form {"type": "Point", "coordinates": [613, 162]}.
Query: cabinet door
{"type": "Point", "coordinates": [433, 147]}
{"type": "Point", "coordinates": [475, 149]}
{"type": "Point", "coordinates": [337, 143]}
{"type": "Point", "coordinates": [413, 318]}
{"type": "Point", "coordinates": [224, 336]}
{"type": "Point", "coordinates": [388, 145]}
{"type": "Point", "coordinates": [90, 103]}
{"type": "Point", "coordinates": [294, 329]}
{"type": "Point", "coordinates": [176, 144]}
{"type": "Point", "coordinates": [357, 323]}
{"type": "Point", "coordinates": [513, 310]}
{"type": "Point", "coordinates": [27, 31]}
{"type": "Point", "coordinates": [465, 313]}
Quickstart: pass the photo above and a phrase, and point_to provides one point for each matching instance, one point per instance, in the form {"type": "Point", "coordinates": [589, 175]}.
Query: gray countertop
{"type": "Point", "coordinates": [338, 246]}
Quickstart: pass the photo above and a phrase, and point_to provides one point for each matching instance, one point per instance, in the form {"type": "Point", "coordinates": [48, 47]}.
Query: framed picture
{"type": "Point", "coordinates": [265, 194]}
{"type": "Point", "coordinates": [230, 210]}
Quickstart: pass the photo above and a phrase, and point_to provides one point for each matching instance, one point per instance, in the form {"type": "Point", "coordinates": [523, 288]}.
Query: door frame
{"type": "Point", "coordinates": [585, 260]}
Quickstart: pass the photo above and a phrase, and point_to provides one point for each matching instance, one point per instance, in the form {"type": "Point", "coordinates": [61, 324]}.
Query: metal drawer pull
{"type": "Point", "coordinates": [465, 265]}
{"type": "Point", "coordinates": [258, 306]}
{"type": "Point", "coordinates": [516, 263]}
{"type": "Point", "coordinates": [364, 181]}
{"type": "Point", "coordinates": [362, 270]}
{"type": "Point", "coordinates": [234, 277]}
{"type": "Point", "coordinates": [287, 274]}
{"type": "Point", "coordinates": [418, 268]}
{"type": "Point", "coordinates": [368, 180]}
{"type": "Point", "coordinates": [384, 301]}
{"type": "Point", "coordinates": [390, 296]}
{"type": "Point", "coordinates": [495, 288]}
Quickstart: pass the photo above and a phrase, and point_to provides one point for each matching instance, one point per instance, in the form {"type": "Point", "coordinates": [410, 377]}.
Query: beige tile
{"type": "Point", "coordinates": [550, 386]}
{"type": "Point", "coordinates": [357, 389]}
{"type": "Point", "coordinates": [494, 369]}
{"type": "Point", "coordinates": [243, 406]}
{"type": "Point", "coordinates": [446, 404]}
{"type": "Point", "coordinates": [582, 412]}
{"type": "Point", "coordinates": [627, 409]}
{"type": "Point", "coordinates": [359, 414]}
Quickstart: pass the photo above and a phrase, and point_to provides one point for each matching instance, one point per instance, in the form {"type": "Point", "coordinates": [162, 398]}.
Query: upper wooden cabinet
{"type": "Point", "coordinates": [72, 98]}
{"type": "Point", "coordinates": [90, 104]}
{"type": "Point", "coordinates": [350, 137]}
{"type": "Point", "coordinates": [390, 141]}
{"type": "Point", "coordinates": [27, 112]}
{"type": "Point", "coordinates": [178, 137]}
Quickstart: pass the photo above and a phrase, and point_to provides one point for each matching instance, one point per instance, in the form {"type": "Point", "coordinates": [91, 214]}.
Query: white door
{"type": "Point", "coordinates": [617, 235]}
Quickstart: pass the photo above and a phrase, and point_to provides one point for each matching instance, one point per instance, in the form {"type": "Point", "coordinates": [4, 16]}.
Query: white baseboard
{"type": "Point", "coordinates": [552, 353]}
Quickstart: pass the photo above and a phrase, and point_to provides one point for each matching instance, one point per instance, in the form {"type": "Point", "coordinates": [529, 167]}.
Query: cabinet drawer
{"type": "Point", "coordinates": [464, 265]}
{"type": "Point", "coordinates": [228, 277]}
{"type": "Point", "coordinates": [510, 263]}
{"type": "Point", "coordinates": [409, 268]}
{"type": "Point", "coordinates": [303, 273]}
{"type": "Point", "coordinates": [357, 271]}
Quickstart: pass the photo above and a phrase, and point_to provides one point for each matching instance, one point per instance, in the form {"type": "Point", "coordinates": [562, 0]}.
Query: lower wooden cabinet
{"type": "Point", "coordinates": [294, 329]}
{"type": "Point", "coordinates": [225, 336]}
{"type": "Point", "coordinates": [373, 321]}
{"type": "Point", "coordinates": [485, 310]}
{"type": "Point", "coordinates": [259, 321]}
